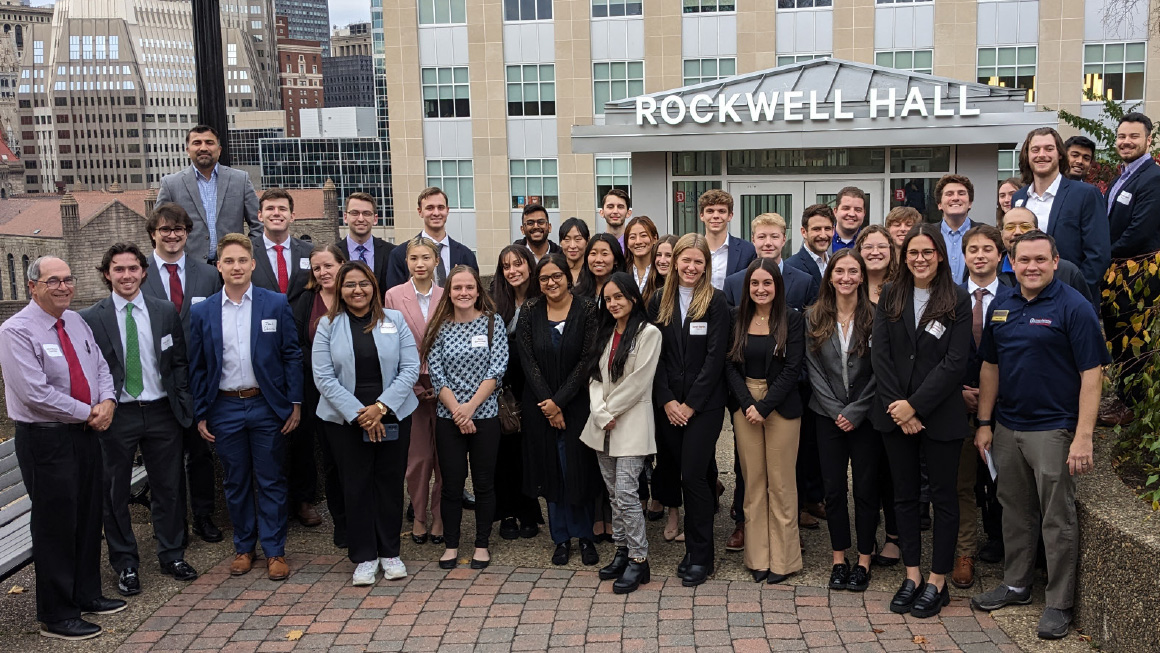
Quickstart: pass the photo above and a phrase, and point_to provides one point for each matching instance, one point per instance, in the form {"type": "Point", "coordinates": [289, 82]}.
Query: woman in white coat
{"type": "Point", "coordinates": [620, 425]}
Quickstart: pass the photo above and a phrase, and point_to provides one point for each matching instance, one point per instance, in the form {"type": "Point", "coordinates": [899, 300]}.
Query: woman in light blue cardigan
{"type": "Point", "coordinates": [365, 366]}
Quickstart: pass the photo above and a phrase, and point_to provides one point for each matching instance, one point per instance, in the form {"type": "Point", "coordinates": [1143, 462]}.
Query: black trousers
{"type": "Point", "coordinates": [335, 501]}
{"type": "Point", "coordinates": [861, 450]}
{"type": "Point", "coordinates": [61, 469]}
{"type": "Point", "coordinates": [153, 427]}
{"type": "Point", "coordinates": [809, 467]}
{"type": "Point", "coordinates": [199, 471]}
{"type": "Point", "coordinates": [886, 491]}
{"type": "Point", "coordinates": [372, 475]}
{"type": "Point", "coordinates": [510, 500]}
{"type": "Point", "coordinates": [693, 449]}
{"type": "Point", "coordinates": [301, 466]}
{"type": "Point", "coordinates": [942, 463]}
{"type": "Point", "coordinates": [456, 453]}
{"type": "Point", "coordinates": [666, 477]}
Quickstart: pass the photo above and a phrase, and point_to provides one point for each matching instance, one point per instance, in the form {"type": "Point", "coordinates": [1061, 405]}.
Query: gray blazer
{"type": "Point", "coordinates": [237, 206]}
{"type": "Point", "coordinates": [266, 277]}
{"type": "Point", "coordinates": [334, 367]}
{"type": "Point", "coordinates": [830, 397]}
{"type": "Point", "coordinates": [201, 281]}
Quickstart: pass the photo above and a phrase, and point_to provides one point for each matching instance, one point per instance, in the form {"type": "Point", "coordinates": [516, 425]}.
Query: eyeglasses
{"type": "Point", "coordinates": [1012, 227]}
{"type": "Point", "coordinates": [556, 277]}
{"type": "Point", "coordinates": [53, 282]}
{"type": "Point", "coordinates": [536, 223]}
{"type": "Point", "coordinates": [171, 231]}
{"type": "Point", "coordinates": [915, 254]}
{"type": "Point", "coordinates": [360, 214]}
{"type": "Point", "coordinates": [351, 285]}
{"type": "Point", "coordinates": [875, 248]}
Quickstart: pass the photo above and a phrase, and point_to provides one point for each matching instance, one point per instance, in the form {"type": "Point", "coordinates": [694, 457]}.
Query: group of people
{"type": "Point", "coordinates": [597, 374]}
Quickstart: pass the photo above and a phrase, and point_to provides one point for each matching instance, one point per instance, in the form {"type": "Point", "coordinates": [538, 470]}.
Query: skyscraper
{"type": "Point", "coordinates": [308, 20]}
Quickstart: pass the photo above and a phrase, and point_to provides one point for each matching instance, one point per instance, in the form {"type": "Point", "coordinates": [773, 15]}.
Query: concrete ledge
{"type": "Point", "coordinates": [1118, 594]}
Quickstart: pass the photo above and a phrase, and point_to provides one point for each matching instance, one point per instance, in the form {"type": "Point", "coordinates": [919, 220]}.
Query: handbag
{"type": "Point", "coordinates": [509, 406]}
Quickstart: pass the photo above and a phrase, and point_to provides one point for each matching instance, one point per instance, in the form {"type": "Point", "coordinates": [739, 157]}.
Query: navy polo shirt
{"type": "Point", "coordinates": [1041, 347]}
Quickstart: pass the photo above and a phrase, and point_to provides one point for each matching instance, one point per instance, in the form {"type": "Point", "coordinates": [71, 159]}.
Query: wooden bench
{"type": "Point", "coordinates": [16, 510]}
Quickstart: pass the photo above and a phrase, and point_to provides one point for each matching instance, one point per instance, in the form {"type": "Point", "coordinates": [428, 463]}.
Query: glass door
{"type": "Point", "coordinates": [786, 199]}
{"type": "Point", "coordinates": [826, 192]}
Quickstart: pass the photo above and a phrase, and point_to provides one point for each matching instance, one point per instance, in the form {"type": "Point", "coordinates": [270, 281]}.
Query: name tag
{"type": "Point", "coordinates": [999, 316]}
{"type": "Point", "coordinates": [936, 329]}
{"type": "Point", "coordinates": [478, 341]}
{"type": "Point", "coordinates": [388, 327]}
{"type": "Point", "coordinates": [1019, 202]}
{"type": "Point", "coordinates": [166, 341]}
{"type": "Point", "coordinates": [1124, 197]}
{"type": "Point", "coordinates": [196, 300]}
{"type": "Point", "coordinates": [53, 351]}
{"type": "Point", "coordinates": [304, 264]}
{"type": "Point", "coordinates": [1041, 322]}
{"type": "Point", "coordinates": [698, 328]}
{"type": "Point", "coordinates": [269, 326]}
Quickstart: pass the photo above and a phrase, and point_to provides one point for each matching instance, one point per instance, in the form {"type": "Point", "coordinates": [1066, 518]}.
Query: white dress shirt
{"type": "Point", "coordinates": [992, 288]}
{"type": "Point", "coordinates": [445, 252]}
{"type": "Point", "coordinates": [720, 264]}
{"type": "Point", "coordinates": [237, 364]}
{"type": "Point", "coordinates": [1040, 205]}
{"type": "Point", "coordinates": [163, 273]}
{"type": "Point", "coordinates": [639, 278]}
{"type": "Point", "coordinates": [273, 256]}
{"type": "Point", "coordinates": [423, 299]}
{"type": "Point", "coordinates": [821, 261]}
{"type": "Point", "coordinates": [684, 300]}
{"type": "Point", "coordinates": [150, 368]}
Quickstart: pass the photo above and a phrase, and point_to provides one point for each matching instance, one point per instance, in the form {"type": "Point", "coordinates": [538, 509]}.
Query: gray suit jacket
{"type": "Point", "coordinates": [265, 276]}
{"type": "Point", "coordinates": [201, 281]}
{"type": "Point", "coordinates": [237, 206]}
{"type": "Point", "coordinates": [830, 397]}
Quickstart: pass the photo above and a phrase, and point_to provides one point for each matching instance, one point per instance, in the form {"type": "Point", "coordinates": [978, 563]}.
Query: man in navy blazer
{"type": "Point", "coordinates": [245, 372]}
{"type": "Point", "coordinates": [1071, 212]}
{"type": "Point", "coordinates": [433, 210]}
{"type": "Point", "coordinates": [817, 230]}
{"type": "Point", "coordinates": [768, 233]}
{"type": "Point", "coordinates": [729, 255]}
{"type": "Point", "coordinates": [1133, 199]}
{"type": "Point", "coordinates": [281, 262]}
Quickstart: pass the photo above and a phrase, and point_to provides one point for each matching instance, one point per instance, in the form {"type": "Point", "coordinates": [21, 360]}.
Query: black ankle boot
{"type": "Point", "coordinates": [635, 575]}
{"type": "Point", "coordinates": [617, 566]}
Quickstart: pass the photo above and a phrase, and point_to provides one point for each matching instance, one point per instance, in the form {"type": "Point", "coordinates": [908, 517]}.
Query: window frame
{"type": "Point", "coordinates": [518, 6]}
{"type": "Point", "coordinates": [439, 84]}
{"type": "Point", "coordinates": [894, 59]}
{"type": "Point", "coordinates": [1029, 98]}
{"type": "Point", "coordinates": [522, 84]}
{"type": "Point", "coordinates": [435, 5]}
{"type": "Point", "coordinates": [700, 8]}
{"type": "Point", "coordinates": [702, 79]}
{"type": "Point", "coordinates": [454, 191]}
{"type": "Point", "coordinates": [1103, 45]}
{"type": "Point", "coordinates": [597, 106]}
{"type": "Point", "coordinates": [544, 198]}
{"type": "Point", "coordinates": [812, 7]}
{"type": "Point", "coordinates": [607, 4]}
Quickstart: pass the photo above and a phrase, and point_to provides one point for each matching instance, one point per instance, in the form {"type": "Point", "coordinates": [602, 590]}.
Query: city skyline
{"type": "Point", "coordinates": [342, 12]}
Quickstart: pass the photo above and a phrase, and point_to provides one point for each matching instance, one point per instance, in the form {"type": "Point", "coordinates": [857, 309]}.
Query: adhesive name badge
{"type": "Point", "coordinates": [196, 300]}
{"type": "Point", "coordinates": [166, 341]}
{"type": "Point", "coordinates": [936, 329]}
{"type": "Point", "coordinates": [1041, 321]}
{"type": "Point", "coordinates": [999, 316]}
{"type": "Point", "coordinates": [303, 264]}
{"type": "Point", "coordinates": [1124, 197]}
{"type": "Point", "coordinates": [388, 327]}
{"type": "Point", "coordinates": [53, 351]}
{"type": "Point", "coordinates": [1020, 202]}
{"type": "Point", "coordinates": [698, 328]}
{"type": "Point", "coordinates": [269, 326]}
{"type": "Point", "coordinates": [479, 341]}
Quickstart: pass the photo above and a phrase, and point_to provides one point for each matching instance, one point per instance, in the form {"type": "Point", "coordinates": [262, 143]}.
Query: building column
{"type": "Point", "coordinates": [405, 106]}
{"type": "Point", "coordinates": [854, 30]}
{"type": "Point", "coordinates": [577, 174]}
{"type": "Point", "coordinates": [489, 145]}
{"type": "Point", "coordinates": [1059, 68]}
{"type": "Point", "coordinates": [956, 49]}
{"type": "Point", "coordinates": [756, 30]}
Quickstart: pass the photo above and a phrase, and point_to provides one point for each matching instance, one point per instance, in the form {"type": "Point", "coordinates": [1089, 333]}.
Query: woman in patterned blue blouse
{"type": "Point", "coordinates": [466, 354]}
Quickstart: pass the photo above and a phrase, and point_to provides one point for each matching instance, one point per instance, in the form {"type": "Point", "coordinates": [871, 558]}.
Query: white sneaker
{"type": "Point", "coordinates": [393, 568]}
{"type": "Point", "coordinates": [364, 573]}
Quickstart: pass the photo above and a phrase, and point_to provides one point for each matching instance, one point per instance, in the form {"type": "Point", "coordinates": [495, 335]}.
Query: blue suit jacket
{"type": "Point", "coordinates": [804, 262]}
{"type": "Point", "coordinates": [276, 356]}
{"type": "Point", "coordinates": [397, 271]}
{"type": "Point", "coordinates": [1135, 222]}
{"type": "Point", "coordinates": [1079, 225]}
{"type": "Point", "coordinates": [975, 363]}
{"type": "Point", "coordinates": [741, 254]}
{"type": "Point", "coordinates": [800, 288]}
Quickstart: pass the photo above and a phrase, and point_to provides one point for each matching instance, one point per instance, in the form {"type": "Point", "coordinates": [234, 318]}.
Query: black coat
{"type": "Point", "coordinates": [382, 256]}
{"type": "Point", "coordinates": [781, 373]}
{"type": "Point", "coordinates": [302, 305]}
{"type": "Point", "coordinates": [692, 368]}
{"type": "Point", "coordinates": [559, 374]}
{"type": "Point", "coordinates": [912, 364]}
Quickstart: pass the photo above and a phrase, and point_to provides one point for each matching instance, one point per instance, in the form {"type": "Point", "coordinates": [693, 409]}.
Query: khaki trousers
{"type": "Point", "coordinates": [968, 544]}
{"type": "Point", "coordinates": [768, 455]}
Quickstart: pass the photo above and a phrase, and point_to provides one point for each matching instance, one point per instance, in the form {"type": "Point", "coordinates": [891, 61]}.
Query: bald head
{"type": "Point", "coordinates": [1017, 222]}
{"type": "Point", "coordinates": [1023, 213]}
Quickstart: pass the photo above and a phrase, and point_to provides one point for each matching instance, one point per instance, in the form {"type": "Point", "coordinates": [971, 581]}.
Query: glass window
{"type": "Point", "coordinates": [527, 9]}
{"type": "Point", "coordinates": [804, 4]}
{"type": "Point", "coordinates": [231, 54]}
{"type": "Point", "coordinates": [1012, 67]}
{"type": "Point", "coordinates": [612, 8]}
{"type": "Point", "coordinates": [917, 193]}
{"type": "Point", "coordinates": [1008, 164]}
{"type": "Point", "coordinates": [38, 52]}
{"type": "Point", "coordinates": [707, 70]}
{"type": "Point", "coordinates": [613, 172]}
{"type": "Point", "coordinates": [74, 47]}
{"type": "Point", "coordinates": [898, 2]}
{"type": "Point", "coordinates": [534, 181]}
{"type": "Point", "coordinates": [787, 59]}
{"type": "Point", "coordinates": [707, 6]}
{"type": "Point", "coordinates": [1114, 71]}
{"type": "Point", "coordinates": [445, 93]}
{"type": "Point", "coordinates": [616, 80]}
{"type": "Point", "coordinates": [807, 162]}
{"type": "Point", "coordinates": [696, 164]}
{"type": "Point", "coordinates": [442, 12]}
{"type": "Point", "coordinates": [919, 61]}
{"type": "Point", "coordinates": [455, 178]}
{"type": "Point", "coordinates": [531, 90]}
{"type": "Point", "coordinates": [920, 159]}
{"type": "Point", "coordinates": [685, 194]}
{"type": "Point", "coordinates": [114, 47]}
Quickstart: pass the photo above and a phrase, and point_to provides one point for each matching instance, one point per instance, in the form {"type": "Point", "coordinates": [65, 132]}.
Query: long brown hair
{"type": "Point", "coordinates": [649, 228]}
{"type": "Point", "coordinates": [335, 251]}
{"type": "Point", "coordinates": [655, 279]}
{"type": "Point", "coordinates": [895, 255]}
{"type": "Point", "coordinates": [702, 291]}
{"type": "Point", "coordinates": [1027, 177]}
{"type": "Point", "coordinates": [445, 310]}
{"type": "Point", "coordinates": [748, 308]}
{"type": "Point", "coordinates": [822, 318]}
{"type": "Point", "coordinates": [339, 304]}
{"type": "Point", "coordinates": [942, 288]}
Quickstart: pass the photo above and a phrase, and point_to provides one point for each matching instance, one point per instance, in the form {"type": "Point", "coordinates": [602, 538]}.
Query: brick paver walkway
{"type": "Point", "coordinates": [522, 609]}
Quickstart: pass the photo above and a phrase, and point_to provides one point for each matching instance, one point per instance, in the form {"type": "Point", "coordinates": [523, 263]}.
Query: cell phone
{"type": "Point", "coordinates": [391, 434]}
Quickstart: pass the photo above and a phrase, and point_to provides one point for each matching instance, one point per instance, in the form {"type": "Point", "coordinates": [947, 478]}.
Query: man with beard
{"type": "Point", "coordinates": [1079, 153]}
{"type": "Point", "coordinates": [616, 209]}
{"type": "Point", "coordinates": [535, 228]}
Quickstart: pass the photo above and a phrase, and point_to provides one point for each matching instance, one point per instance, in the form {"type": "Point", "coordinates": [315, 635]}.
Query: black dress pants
{"type": "Point", "coordinates": [61, 469]}
{"type": "Point", "coordinates": [456, 453]}
{"type": "Point", "coordinates": [199, 471]}
{"type": "Point", "coordinates": [809, 467]}
{"type": "Point", "coordinates": [510, 500]}
{"type": "Point", "coordinates": [666, 477]}
{"type": "Point", "coordinates": [693, 450]}
{"type": "Point", "coordinates": [942, 463]}
{"type": "Point", "coordinates": [301, 466]}
{"type": "Point", "coordinates": [861, 450]}
{"type": "Point", "coordinates": [335, 501]}
{"type": "Point", "coordinates": [372, 474]}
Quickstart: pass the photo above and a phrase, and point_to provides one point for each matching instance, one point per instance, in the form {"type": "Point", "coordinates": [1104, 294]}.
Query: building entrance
{"type": "Point", "coordinates": [789, 198]}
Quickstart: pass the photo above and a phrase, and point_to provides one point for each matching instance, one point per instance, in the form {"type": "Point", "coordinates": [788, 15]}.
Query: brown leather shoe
{"type": "Point", "coordinates": [308, 515]}
{"type": "Point", "coordinates": [242, 564]}
{"type": "Point", "coordinates": [277, 568]}
{"type": "Point", "coordinates": [816, 509]}
{"type": "Point", "coordinates": [806, 520]}
{"type": "Point", "coordinates": [964, 573]}
{"type": "Point", "coordinates": [736, 541]}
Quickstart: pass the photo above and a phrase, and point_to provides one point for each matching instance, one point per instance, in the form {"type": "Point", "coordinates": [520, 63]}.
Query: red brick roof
{"type": "Point", "coordinates": [6, 153]}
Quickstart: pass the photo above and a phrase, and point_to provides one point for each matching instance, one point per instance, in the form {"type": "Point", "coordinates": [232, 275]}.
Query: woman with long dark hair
{"type": "Point", "coordinates": [640, 236]}
{"type": "Point", "coordinates": [880, 255]}
{"type": "Point", "coordinates": [574, 236]}
{"type": "Point", "coordinates": [556, 335]}
{"type": "Point", "coordinates": [519, 514]}
{"type": "Point", "coordinates": [921, 346]}
{"type": "Point", "coordinates": [764, 363]}
{"type": "Point", "coordinates": [602, 257]}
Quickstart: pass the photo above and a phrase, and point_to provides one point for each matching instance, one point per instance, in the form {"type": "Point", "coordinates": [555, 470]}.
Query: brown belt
{"type": "Point", "coordinates": [244, 393]}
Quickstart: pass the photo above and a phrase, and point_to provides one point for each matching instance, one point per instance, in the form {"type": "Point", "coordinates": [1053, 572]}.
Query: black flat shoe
{"type": "Point", "coordinates": [883, 561]}
{"type": "Point", "coordinates": [617, 566]}
{"type": "Point", "coordinates": [180, 570]}
{"type": "Point", "coordinates": [774, 579]}
{"type": "Point", "coordinates": [683, 566]}
{"type": "Point", "coordinates": [204, 528]}
{"type": "Point", "coordinates": [102, 605]}
{"type": "Point", "coordinates": [655, 515]}
{"type": "Point", "coordinates": [696, 575]}
{"type": "Point", "coordinates": [859, 579]}
{"type": "Point", "coordinates": [604, 537]}
{"type": "Point", "coordinates": [479, 564]}
{"type": "Point", "coordinates": [437, 539]}
{"type": "Point", "coordinates": [635, 575]}
{"type": "Point", "coordinates": [528, 531]}
{"type": "Point", "coordinates": [759, 576]}
{"type": "Point", "coordinates": [419, 539]}
{"type": "Point", "coordinates": [509, 529]}
{"type": "Point", "coordinates": [839, 576]}
{"type": "Point", "coordinates": [450, 563]}
{"type": "Point", "coordinates": [905, 597]}
{"type": "Point", "coordinates": [931, 601]}
{"type": "Point", "coordinates": [588, 554]}
{"type": "Point", "coordinates": [562, 554]}
{"type": "Point", "coordinates": [70, 630]}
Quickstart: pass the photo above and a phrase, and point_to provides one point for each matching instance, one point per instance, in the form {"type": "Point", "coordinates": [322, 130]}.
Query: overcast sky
{"type": "Point", "coordinates": [342, 12]}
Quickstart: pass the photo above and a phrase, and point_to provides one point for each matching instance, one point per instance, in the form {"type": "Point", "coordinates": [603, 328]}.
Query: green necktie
{"type": "Point", "coordinates": [134, 384]}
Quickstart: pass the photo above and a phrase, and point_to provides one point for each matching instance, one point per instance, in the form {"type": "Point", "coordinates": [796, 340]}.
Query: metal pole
{"type": "Point", "coordinates": [211, 72]}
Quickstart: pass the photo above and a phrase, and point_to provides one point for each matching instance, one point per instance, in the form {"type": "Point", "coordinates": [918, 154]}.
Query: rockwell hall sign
{"type": "Point", "coordinates": [796, 106]}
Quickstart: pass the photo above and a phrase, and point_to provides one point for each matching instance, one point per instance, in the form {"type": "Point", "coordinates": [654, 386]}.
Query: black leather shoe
{"type": "Point", "coordinates": [588, 553]}
{"type": "Point", "coordinates": [509, 529]}
{"type": "Point", "coordinates": [480, 564]}
{"type": "Point", "coordinates": [468, 500]}
{"type": "Point", "coordinates": [617, 566]}
{"type": "Point", "coordinates": [839, 576]}
{"type": "Point", "coordinates": [683, 566]}
{"type": "Point", "coordinates": [931, 601]}
{"type": "Point", "coordinates": [204, 528]}
{"type": "Point", "coordinates": [128, 582]}
{"type": "Point", "coordinates": [992, 551]}
{"type": "Point", "coordinates": [102, 605]}
{"type": "Point", "coordinates": [451, 563]}
{"type": "Point", "coordinates": [859, 579]}
{"type": "Point", "coordinates": [437, 539]}
{"type": "Point", "coordinates": [696, 575]}
{"type": "Point", "coordinates": [759, 575]}
{"type": "Point", "coordinates": [635, 575]}
{"type": "Point", "coordinates": [70, 629]}
{"type": "Point", "coordinates": [562, 554]}
{"type": "Point", "coordinates": [774, 579]}
{"type": "Point", "coordinates": [528, 531]}
{"type": "Point", "coordinates": [420, 539]}
{"type": "Point", "coordinates": [179, 569]}
{"type": "Point", "coordinates": [905, 597]}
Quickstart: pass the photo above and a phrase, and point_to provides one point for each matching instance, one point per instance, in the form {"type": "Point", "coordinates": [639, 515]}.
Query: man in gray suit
{"type": "Point", "coordinates": [142, 341]}
{"type": "Point", "coordinates": [221, 198]}
{"type": "Point", "coordinates": [184, 282]}
{"type": "Point", "coordinates": [281, 262]}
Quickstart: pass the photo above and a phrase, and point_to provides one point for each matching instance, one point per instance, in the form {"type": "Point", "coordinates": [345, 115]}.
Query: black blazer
{"type": "Point", "coordinates": [692, 368]}
{"type": "Point", "coordinates": [397, 263]}
{"type": "Point", "coordinates": [265, 276]}
{"type": "Point", "coordinates": [201, 281]}
{"type": "Point", "coordinates": [1135, 227]}
{"type": "Point", "coordinates": [800, 288]}
{"type": "Point", "coordinates": [173, 361]}
{"type": "Point", "coordinates": [383, 251]}
{"type": "Point", "coordinates": [780, 373]}
{"type": "Point", "coordinates": [301, 307]}
{"type": "Point", "coordinates": [804, 262]}
{"type": "Point", "coordinates": [912, 364]}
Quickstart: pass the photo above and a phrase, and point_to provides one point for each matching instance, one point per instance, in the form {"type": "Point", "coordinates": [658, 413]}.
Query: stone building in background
{"type": "Point", "coordinates": [300, 73]}
{"type": "Point", "coordinates": [348, 74]}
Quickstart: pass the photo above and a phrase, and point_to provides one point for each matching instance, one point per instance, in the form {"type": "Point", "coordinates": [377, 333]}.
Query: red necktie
{"type": "Point", "coordinates": [175, 294]}
{"type": "Point", "coordinates": [283, 275]}
{"type": "Point", "coordinates": [78, 384]}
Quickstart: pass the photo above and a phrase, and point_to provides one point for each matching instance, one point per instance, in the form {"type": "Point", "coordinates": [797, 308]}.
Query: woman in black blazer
{"type": "Point", "coordinates": [690, 393]}
{"type": "Point", "coordinates": [921, 346]}
{"type": "Point", "coordinates": [765, 361]}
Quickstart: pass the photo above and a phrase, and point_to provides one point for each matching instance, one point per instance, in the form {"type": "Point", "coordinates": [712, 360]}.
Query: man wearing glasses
{"type": "Point", "coordinates": [59, 392]}
{"type": "Point", "coordinates": [535, 228]}
{"type": "Point", "coordinates": [360, 245]}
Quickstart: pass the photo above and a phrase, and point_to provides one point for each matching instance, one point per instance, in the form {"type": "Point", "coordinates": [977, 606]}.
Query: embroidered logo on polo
{"type": "Point", "coordinates": [1041, 321]}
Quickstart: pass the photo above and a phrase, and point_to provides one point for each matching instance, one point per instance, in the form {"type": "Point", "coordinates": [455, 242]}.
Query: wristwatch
{"type": "Point", "coordinates": [985, 422]}
{"type": "Point", "coordinates": [382, 407]}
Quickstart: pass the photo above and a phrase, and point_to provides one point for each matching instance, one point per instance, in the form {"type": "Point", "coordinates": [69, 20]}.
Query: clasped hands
{"type": "Point", "coordinates": [370, 419]}
{"type": "Point", "coordinates": [553, 413]}
{"type": "Point", "coordinates": [461, 414]}
{"type": "Point", "coordinates": [904, 416]}
{"type": "Point", "coordinates": [678, 413]}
